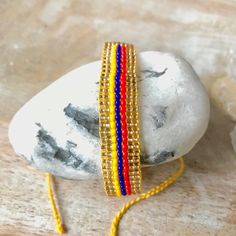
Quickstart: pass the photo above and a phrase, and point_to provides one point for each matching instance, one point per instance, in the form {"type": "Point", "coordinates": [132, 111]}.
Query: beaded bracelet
{"type": "Point", "coordinates": [119, 133]}
{"type": "Point", "coordinates": [118, 120]}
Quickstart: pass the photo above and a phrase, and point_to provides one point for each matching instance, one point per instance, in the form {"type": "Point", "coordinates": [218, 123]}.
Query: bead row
{"type": "Point", "coordinates": [133, 120]}
{"type": "Point", "coordinates": [112, 119]}
{"type": "Point", "coordinates": [104, 122]}
{"type": "Point", "coordinates": [123, 120]}
{"type": "Point", "coordinates": [118, 122]}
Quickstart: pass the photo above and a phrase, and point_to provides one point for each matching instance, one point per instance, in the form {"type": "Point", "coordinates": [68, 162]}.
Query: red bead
{"type": "Point", "coordinates": [124, 153]}
{"type": "Point", "coordinates": [123, 93]}
{"type": "Point", "coordinates": [125, 160]}
{"type": "Point", "coordinates": [125, 124]}
{"type": "Point", "coordinates": [124, 132]}
{"type": "Point", "coordinates": [125, 167]}
{"type": "Point", "coordinates": [123, 89]}
{"type": "Point", "coordinates": [123, 98]}
{"type": "Point", "coordinates": [123, 118]}
{"type": "Point", "coordinates": [126, 171]}
{"type": "Point", "coordinates": [124, 127]}
{"type": "Point", "coordinates": [122, 79]}
{"type": "Point", "coordinates": [122, 109]}
{"type": "Point", "coordinates": [124, 140]}
{"type": "Point", "coordinates": [125, 164]}
{"type": "Point", "coordinates": [126, 181]}
{"type": "Point", "coordinates": [123, 102]}
{"type": "Point", "coordinates": [122, 82]}
{"type": "Point", "coordinates": [122, 86]}
{"type": "Point", "coordinates": [128, 191]}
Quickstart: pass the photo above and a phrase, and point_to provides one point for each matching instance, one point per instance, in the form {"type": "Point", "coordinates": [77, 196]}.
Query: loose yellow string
{"type": "Point", "coordinates": [115, 223]}
{"type": "Point", "coordinates": [151, 192]}
{"type": "Point", "coordinates": [59, 227]}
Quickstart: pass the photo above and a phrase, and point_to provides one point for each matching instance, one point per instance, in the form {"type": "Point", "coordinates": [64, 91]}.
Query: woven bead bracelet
{"type": "Point", "coordinates": [119, 133]}
{"type": "Point", "coordinates": [118, 117]}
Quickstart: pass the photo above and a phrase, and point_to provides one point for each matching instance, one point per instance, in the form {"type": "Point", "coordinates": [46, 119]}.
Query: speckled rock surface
{"type": "Point", "coordinates": [57, 130]}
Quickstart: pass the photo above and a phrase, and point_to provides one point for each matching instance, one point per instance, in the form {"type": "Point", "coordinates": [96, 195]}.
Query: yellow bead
{"type": "Point", "coordinates": [113, 132]}
{"type": "Point", "coordinates": [112, 121]}
{"type": "Point", "coordinates": [113, 139]}
{"type": "Point", "coordinates": [114, 153]}
{"type": "Point", "coordinates": [112, 114]}
{"type": "Point", "coordinates": [114, 163]}
{"type": "Point", "coordinates": [114, 167]}
{"type": "Point", "coordinates": [111, 92]}
{"type": "Point", "coordinates": [112, 102]}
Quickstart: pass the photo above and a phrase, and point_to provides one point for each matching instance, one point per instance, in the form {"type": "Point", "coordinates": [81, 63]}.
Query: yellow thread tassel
{"type": "Point", "coordinates": [59, 227]}
{"type": "Point", "coordinates": [151, 192]}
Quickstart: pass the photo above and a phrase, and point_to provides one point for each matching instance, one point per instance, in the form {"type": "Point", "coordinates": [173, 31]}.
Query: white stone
{"type": "Point", "coordinates": [57, 130]}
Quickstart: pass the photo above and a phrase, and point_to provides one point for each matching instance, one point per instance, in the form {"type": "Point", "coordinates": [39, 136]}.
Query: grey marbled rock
{"type": "Point", "coordinates": [57, 130]}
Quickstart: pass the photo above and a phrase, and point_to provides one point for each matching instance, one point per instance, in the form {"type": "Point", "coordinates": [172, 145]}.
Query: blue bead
{"type": "Point", "coordinates": [118, 144]}
{"type": "Point", "coordinates": [117, 103]}
{"type": "Point", "coordinates": [117, 110]}
{"type": "Point", "coordinates": [118, 139]}
{"type": "Point", "coordinates": [118, 132]}
{"type": "Point", "coordinates": [120, 153]}
{"type": "Point", "coordinates": [117, 129]}
{"type": "Point", "coordinates": [118, 148]}
{"type": "Point", "coordinates": [122, 190]}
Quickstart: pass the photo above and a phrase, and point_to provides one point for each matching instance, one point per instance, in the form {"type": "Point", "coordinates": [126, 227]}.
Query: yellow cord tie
{"type": "Point", "coordinates": [115, 223]}
{"type": "Point", "coordinates": [59, 227]}
{"type": "Point", "coordinates": [151, 192]}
